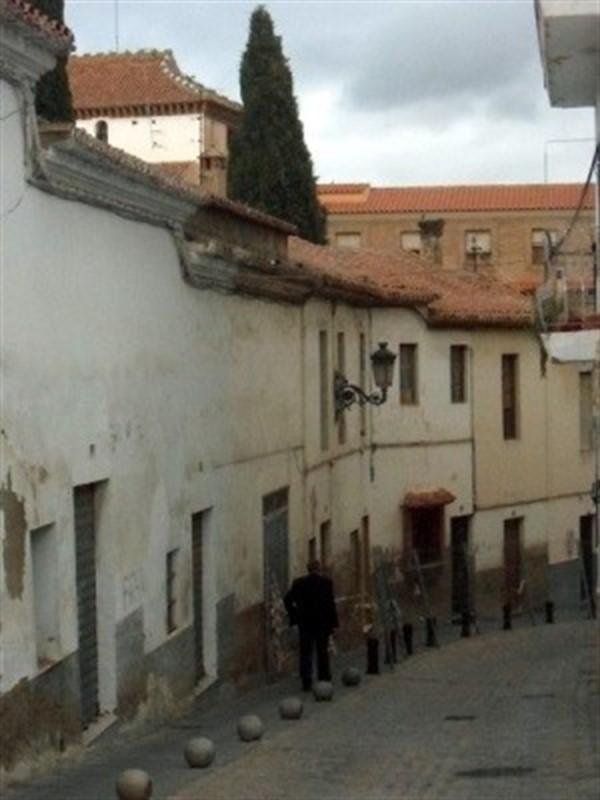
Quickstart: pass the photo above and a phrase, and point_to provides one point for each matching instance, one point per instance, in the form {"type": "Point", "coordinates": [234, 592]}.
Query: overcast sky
{"type": "Point", "coordinates": [390, 93]}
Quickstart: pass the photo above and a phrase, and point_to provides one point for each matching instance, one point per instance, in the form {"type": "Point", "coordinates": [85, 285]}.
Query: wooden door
{"type": "Point", "coordinates": [512, 561]}
{"type": "Point", "coordinates": [586, 554]}
{"type": "Point", "coordinates": [198, 591]}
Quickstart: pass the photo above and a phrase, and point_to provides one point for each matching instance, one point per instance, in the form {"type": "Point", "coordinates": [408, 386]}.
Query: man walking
{"type": "Point", "coordinates": [311, 606]}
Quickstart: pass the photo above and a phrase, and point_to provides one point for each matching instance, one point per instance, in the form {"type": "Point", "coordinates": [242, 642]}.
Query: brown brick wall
{"type": "Point", "coordinates": [510, 232]}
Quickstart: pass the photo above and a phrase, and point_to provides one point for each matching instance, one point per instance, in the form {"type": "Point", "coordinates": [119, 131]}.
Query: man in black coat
{"type": "Point", "coordinates": [311, 606]}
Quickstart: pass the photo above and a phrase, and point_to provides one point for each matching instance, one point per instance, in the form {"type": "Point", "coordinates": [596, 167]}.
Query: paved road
{"type": "Point", "coordinates": [512, 714]}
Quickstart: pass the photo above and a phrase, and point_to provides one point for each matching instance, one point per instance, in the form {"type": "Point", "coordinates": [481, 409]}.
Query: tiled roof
{"type": "Point", "coordinates": [403, 279]}
{"type": "Point", "coordinates": [355, 199]}
{"type": "Point", "coordinates": [155, 175]}
{"type": "Point", "coordinates": [187, 171]}
{"type": "Point", "coordinates": [133, 81]}
{"type": "Point", "coordinates": [54, 32]}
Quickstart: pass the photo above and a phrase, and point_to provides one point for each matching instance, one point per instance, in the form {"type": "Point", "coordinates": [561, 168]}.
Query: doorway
{"type": "Point", "coordinates": [587, 589]}
{"type": "Point", "coordinates": [198, 590]}
{"type": "Point", "coordinates": [459, 544]}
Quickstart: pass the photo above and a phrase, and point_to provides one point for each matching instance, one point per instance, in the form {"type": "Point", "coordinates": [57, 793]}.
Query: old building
{"type": "Point", "coordinates": [173, 449]}
{"type": "Point", "coordinates": [142, 103]}
{"type": "Point", "coordinates": [498, 230]}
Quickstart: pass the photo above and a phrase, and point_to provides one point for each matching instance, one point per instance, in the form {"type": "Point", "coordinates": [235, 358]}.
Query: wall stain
{"type": "Point", "coordinates": [15, 524]}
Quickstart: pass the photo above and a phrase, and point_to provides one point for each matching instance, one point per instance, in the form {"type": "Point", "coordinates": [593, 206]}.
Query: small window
{"type": "Point", "coordinates": [409, 395]}
{"type": "Point", "coordinates": [540, 240]}
{"type": "Point", "coordinates": [101, 130]}
{"type": "Point", "coordinates": [171, 577]}
{"type": "Point", "coordinates": [350, 240]}
{"type": "Point", "coordinates": [510, 376]}
{"type": "Point", "coordinates": [411, 242]}
{"type": "Point", "coordinates": [585, 411]}
{"type": "Point", "coordinates": [458, 373]}
{"type": "Point", "coordinates": [478, 247]}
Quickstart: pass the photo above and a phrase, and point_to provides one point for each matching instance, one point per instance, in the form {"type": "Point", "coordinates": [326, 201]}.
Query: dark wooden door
{"type": "Point", "coordinates": [459, 543]}
{"type": "Point", "coordinates": [85, 570]}
{"type": "Point", "coordinates": [275, 542]}
{"type": "Point", "coordinates": [198, 591]}
{"type": "Point", "coordinates": [586, 553]}
{"type": "Point", "coordinates": [512, 561]}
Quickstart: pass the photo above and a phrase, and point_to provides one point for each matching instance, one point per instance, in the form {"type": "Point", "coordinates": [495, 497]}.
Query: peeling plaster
{"type": "Point", "coordinates": [15, 524]}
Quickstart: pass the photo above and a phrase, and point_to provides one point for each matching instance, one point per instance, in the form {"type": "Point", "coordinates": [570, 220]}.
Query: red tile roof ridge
{"type": "Point", "coordinates": [457, 197]}
{"type": "Point", "coordinates": [55, 33]}
{"type": "Point", "coordinates": [342, 188]}
{"type": "Point", "coordinates": [186, 88]}
{"type": "Point", "coordinates": [155, 175]}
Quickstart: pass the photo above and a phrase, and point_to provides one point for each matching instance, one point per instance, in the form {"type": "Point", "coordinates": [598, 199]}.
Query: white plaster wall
{"type": "Point", "coordinates": [115, 370]}
{"type": "Point", "coordinates": [160, 138]}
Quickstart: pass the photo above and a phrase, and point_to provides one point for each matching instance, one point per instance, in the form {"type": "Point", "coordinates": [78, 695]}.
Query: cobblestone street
{"type": "Point", "coordinates": [502, 714]}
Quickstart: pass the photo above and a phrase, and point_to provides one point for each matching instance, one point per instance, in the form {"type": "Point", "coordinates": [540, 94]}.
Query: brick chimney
{"type": "Point", "coordinates": [431, 240]}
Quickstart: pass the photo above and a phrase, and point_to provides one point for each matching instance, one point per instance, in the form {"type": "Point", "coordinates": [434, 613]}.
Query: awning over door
{"type": "Point", "coordinates": [429, 499]}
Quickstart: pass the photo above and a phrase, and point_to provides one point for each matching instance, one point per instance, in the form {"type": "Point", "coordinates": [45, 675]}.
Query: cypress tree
{"type": "Point", "coordinates": [53, 99]}
{"type": "Point", "coordinates": [270, 167]}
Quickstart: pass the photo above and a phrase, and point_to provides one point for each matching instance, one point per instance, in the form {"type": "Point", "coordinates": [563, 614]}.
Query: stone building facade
{"type": "Point", "coordinates": [496, 230]}
{"type": "Point", "coordinates": [171, 455]}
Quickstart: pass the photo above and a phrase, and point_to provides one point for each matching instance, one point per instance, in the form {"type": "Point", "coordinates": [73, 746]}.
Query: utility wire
{"type": "Point", "coordinates": [556, 248]}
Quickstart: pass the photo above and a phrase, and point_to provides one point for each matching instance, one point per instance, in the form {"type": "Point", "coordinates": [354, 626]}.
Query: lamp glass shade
{"type": "Point", "coordinates": [382, 361]}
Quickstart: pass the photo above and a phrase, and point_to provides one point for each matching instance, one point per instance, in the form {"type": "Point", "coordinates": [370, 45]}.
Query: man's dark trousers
{"type": "Point", "coordinates": [311, 639]}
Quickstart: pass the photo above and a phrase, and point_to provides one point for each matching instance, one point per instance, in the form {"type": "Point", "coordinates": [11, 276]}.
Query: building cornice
{"type": "Point", "coordinates": [25, 53]}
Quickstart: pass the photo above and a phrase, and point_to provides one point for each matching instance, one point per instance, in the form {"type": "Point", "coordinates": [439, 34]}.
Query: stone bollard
{"type": "Point", "coordinates": [250, 728]}
{"type": "Point", "coordinates": [429, 632]}
{"type": "Point", "coordinates": [549, 612]}
{"type": "Point", "coordinates": [372, 655]}
{"type": "Point", "coordinates": [407, 635]}
{"type": "Point", "coordinates": [134, 784]}
{"type": "Point", "coordinates": [323, 691]}
{"type": "Point", "coordinates": [351, 676]}
{"type": "Point", "coordinates": [199, 752]}
{"type": "Point", "coordinates": [465, 625]}
{"type": "Point", "coordinates": [506, 617]}
{"type": "Point", "coordinates": [291, 708]}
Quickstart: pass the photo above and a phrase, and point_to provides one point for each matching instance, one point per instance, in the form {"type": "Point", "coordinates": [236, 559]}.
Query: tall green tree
{"type": "Point", "coordinates": [270, 167]}
{"type": "Point", "coordinates": [53, 99]}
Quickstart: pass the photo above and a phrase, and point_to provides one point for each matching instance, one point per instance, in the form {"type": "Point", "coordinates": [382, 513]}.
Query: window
{"type": "Point", "coordinates": [585, 411]}
{"type": "Point", "coordinates": [44, 569]}
{"type": "Point", "coordinates": [325, 544]}
{"type": "Point", "coordinates": [478, 247]}
{"type": "Point", "coordinates": [101, 130]}
{"type": "Point", "coordinates": [324, 390]}
{"type": "Point", "coordinates": [351, 240]}
{"type": "Point", "coordinates": [170, 590]}
{"type": "Point", "coordinates": [540, 239]}
{"type": "Point", "coordinates": [341, 367]}
{"type": "Point", "coordinates": [411, 242]}
{"type": "Point", "coordinates": [510, 375]}
{"type": "Point", "coordinates": [458, 373]}
{"type": "Point", "coordinates": [409, 394]}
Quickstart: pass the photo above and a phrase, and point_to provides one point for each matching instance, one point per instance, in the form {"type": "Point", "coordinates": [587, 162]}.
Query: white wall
{"type": "Point", "coordinates": [160, 138]}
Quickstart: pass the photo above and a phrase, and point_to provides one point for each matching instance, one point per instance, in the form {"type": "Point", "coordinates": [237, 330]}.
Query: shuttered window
{"type": "Point", "coordinates": [411, 242]}
{"type": "Point", "coordinates": [458, 373]}
{"type": "Point", "coordinates": [409, 394]}
{"type": "Point", "coordinates": [510, 369]}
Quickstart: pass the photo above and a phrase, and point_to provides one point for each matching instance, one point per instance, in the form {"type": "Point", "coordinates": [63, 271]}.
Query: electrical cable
{"type": "Point", "coordinates": [556, 248]}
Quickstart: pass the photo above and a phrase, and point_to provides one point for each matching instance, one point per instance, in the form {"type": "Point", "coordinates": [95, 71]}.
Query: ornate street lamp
{"type": "Point", "coordinates": [346, 394]}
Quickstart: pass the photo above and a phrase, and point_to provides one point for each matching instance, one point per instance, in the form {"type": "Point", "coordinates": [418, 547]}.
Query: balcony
{"type": "Point", "coordinates": [569, 37]}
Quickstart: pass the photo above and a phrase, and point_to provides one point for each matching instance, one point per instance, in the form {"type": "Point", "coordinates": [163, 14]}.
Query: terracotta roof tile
{"type": "Point", "coordinates": [440, 199]}
{"type": "Point", "coordinates": [54, 32]}
{"type": "Point", "coordinates": [404, 279]}
{"type": "Point", "coordinates": [115, 81]}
